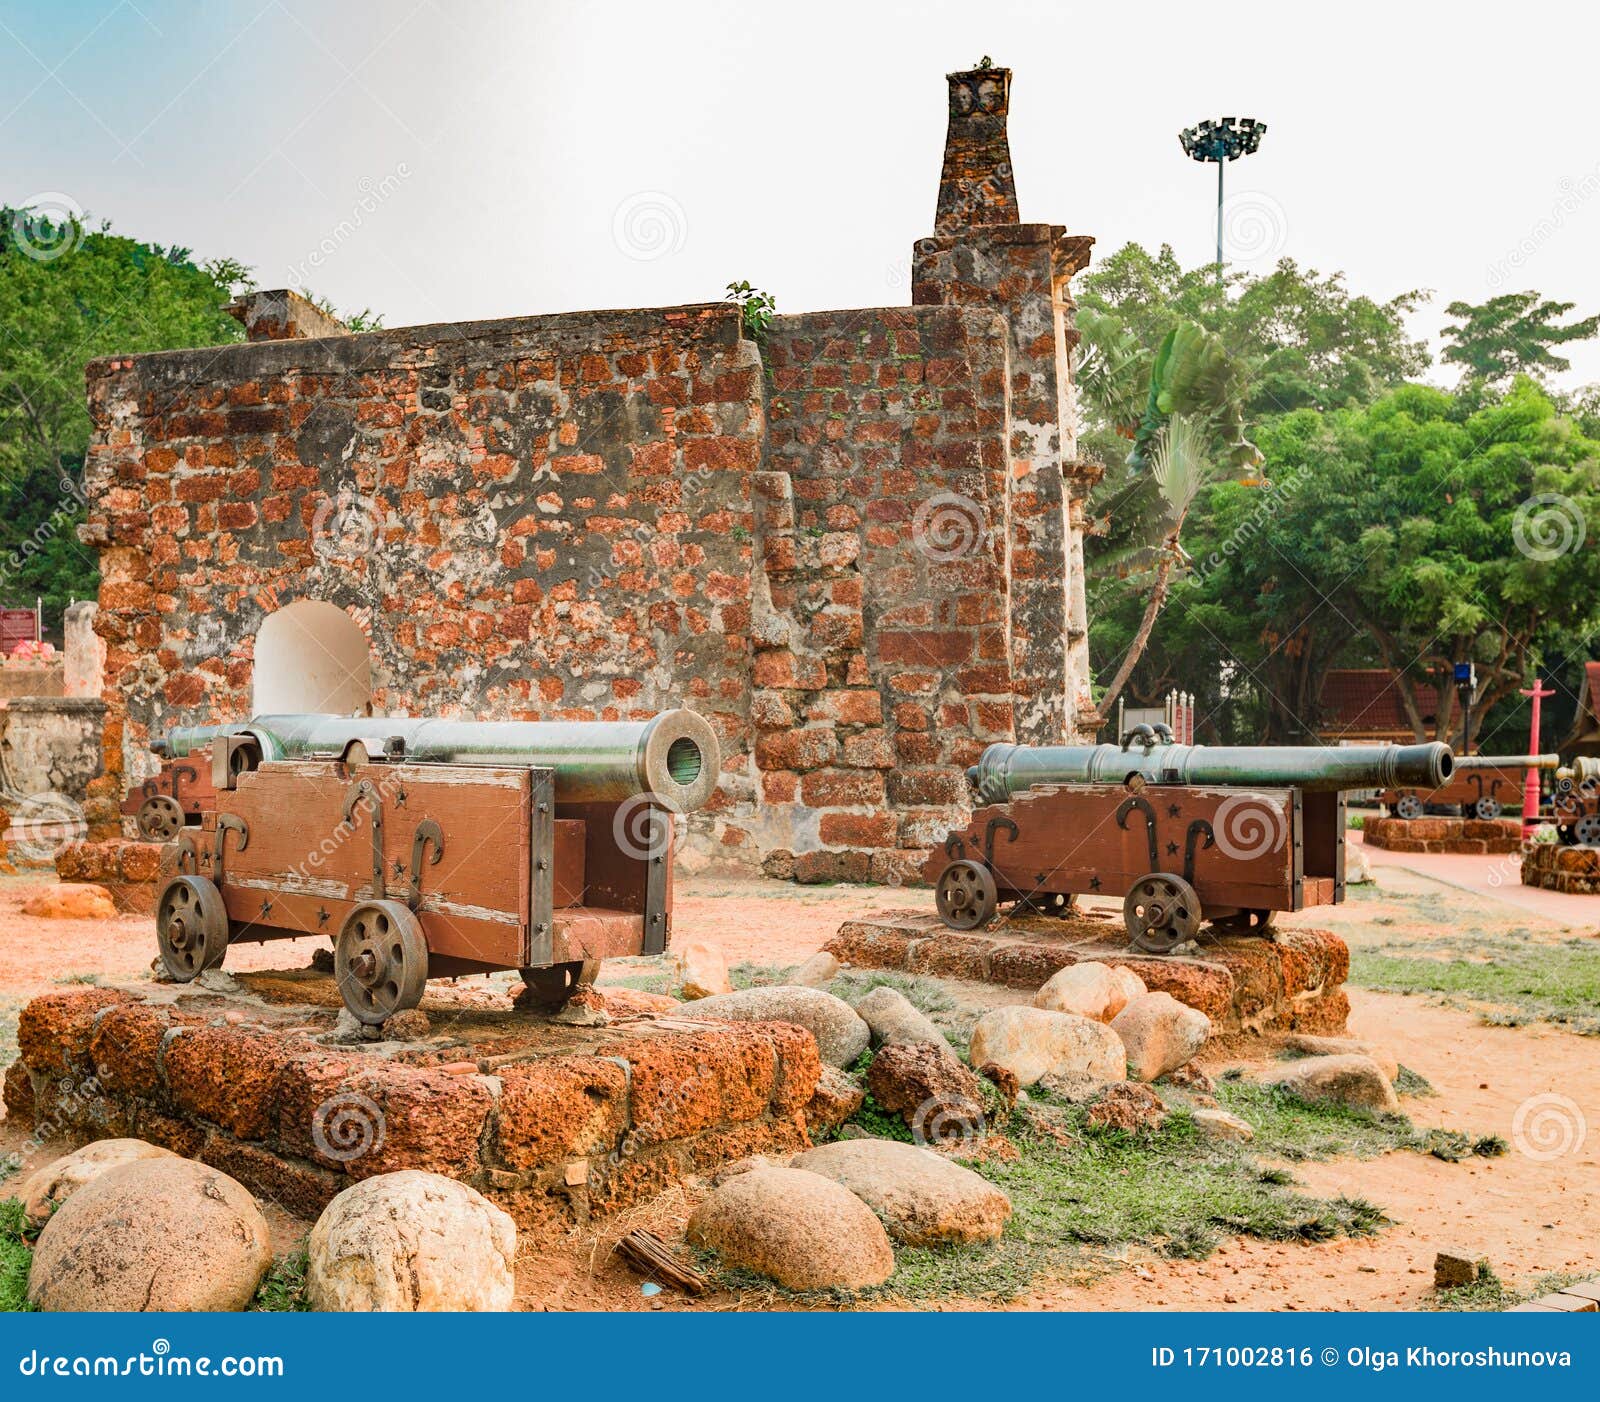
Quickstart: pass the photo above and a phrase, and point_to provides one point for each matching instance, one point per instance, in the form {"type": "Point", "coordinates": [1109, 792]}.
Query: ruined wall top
{"type": "Point", "coordinates": [977, 185]}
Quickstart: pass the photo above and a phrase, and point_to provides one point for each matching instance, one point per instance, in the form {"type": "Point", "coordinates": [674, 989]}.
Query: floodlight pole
{"type": "Point", "coordinates": [1222, 140]}
{"type": "Point", "coordinates": [1220, 165]}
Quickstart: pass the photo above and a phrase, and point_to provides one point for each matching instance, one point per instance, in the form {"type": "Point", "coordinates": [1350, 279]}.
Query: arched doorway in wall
{"type": "Point", "coordinates": [311, 657]}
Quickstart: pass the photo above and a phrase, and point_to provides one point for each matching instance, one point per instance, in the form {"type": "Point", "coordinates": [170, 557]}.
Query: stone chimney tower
{"type": "Point", "coordinates": [982, 255]}
{"type": "Point", "coordinates": [977, 186]}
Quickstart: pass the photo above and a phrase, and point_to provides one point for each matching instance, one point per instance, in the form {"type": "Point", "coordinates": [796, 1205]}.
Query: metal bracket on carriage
{"type": "Point", "coordinates": [1143, 805]}
{"type": "Point", "coordinates": [1200, 827]}
{"type": "Point", "coordinates": [366, 789]}
{"type": "Point", "coordinates": [226, 823]}
{"type": "Point", "coordinates": [428, 837]}
{"type": "Point", "coordinates": [999, 820]}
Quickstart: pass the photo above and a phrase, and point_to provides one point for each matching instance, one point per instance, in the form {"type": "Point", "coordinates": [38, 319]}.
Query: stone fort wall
{"type": "Point", "coordinates": [850, 543]}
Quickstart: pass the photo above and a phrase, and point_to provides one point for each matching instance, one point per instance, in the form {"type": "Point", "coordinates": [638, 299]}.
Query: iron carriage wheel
{"type": "Point", "coordinates": [965, 895]}
{"type": "Point", "coordinates": [160, 818]}
{"type": "Point", "coordinates": [1161, 911]}
{"type": "Point", "coordinates": [1408, 806]}
{"type": "Point", "coordinates": [1586, 831]}
{"type": "Point", "coordinates": [380, 961]}
{"type": "Point", "coordinates": [1248, 921]}
{"type": "Point", "coordinates": [1057, 904]}
{"type": "Point", "coordinates": [191, 927]}
{"type": "Point", "coordinates": [551, 985]}
{"type": "Point", "coordinates": [1487, 808]}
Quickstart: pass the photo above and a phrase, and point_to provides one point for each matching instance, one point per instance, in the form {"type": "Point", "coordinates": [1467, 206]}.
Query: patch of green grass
{"type": "Point", "coordinates": [1489, 1292]}
{"type": "Point", "coordinates": [283, 1288]}
{"type": "Point", "coordinates": [79, 978]}
{"type": "Point", "coordinates": [1081, 1194]}
{"type": "Point", "coordinates": [926, 995]}
{"type": "Point", "coordinates": [1509, 981]}
{"type": "Point", "coordinates": [1296, 1130]}
{"type": "Point", "coordinates": [639, 983]}
{"type": "Point", "coordinates": [16, 1257]}
{"type": "Point", "coordinates": [1410, 1082]}
{"type": "Point", "coordinates": [10, 1011]}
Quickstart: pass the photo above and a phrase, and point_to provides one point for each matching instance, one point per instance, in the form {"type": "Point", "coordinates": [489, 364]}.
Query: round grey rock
{"type": "Point", "coordinates": [798, 1228]}
{"type": "Point", "coordinates": [155, 1234]}
{"type": "Point", "coordinates": [892, 1017]}
{"type": "Point", "coordinates": [1349, 1080]}
{"type": "Point", "coordinates": [841, 1035]}
{"type": "Point", "coordinates": [45, 1189]}
{"type": "Point", "coordinates": [922, 1198]}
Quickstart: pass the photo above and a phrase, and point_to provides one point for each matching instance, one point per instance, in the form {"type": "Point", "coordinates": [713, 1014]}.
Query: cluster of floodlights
{"type": "Point", "coordinates": [1225, 139]}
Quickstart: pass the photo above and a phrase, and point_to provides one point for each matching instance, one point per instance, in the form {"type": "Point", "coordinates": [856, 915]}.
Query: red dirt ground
{"type": "Point", "coordinates": [1528, 1217]}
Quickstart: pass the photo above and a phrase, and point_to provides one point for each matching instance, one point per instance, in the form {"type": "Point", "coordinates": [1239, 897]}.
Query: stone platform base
{"type": "Point", "coordinates": [131, 871]}
{"type": "Point", "coordinates": [558, 1125]}
{"type": "Point", "coordinates": [1555, 867]}
{"type": "Point", "coordinates": [1293, 983]}
{"type": "Point", "coordinates": [1474, 836]}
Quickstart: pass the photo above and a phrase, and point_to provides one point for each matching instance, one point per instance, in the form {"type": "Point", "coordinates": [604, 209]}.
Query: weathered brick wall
{"type": "Point", "coordinates": [881, 665]}
{"type": "Point", "coordinates": [856, 547]}
{"type": "Point", "coordinates": [536, 518]}
{"type": "Point", "coordinates": [595, 516]}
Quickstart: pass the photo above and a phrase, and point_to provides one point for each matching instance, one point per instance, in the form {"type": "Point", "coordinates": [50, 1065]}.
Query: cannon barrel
{"type": "Point", "coordinates": [1004, 770]}
{"type": "Point", "coordinates": [1585, 769]}
{"type": "Point", "coordinates": [674, 757]}
{"type": "Point", "coordinates": [1470, 762]}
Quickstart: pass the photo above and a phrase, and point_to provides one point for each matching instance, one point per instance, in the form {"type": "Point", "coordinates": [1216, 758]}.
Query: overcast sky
{"type": "Point", "coordinates": [438, 161]}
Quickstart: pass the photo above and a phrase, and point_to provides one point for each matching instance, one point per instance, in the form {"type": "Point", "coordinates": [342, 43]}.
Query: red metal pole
{"type": "Point", "coordinates": [1530, 783]}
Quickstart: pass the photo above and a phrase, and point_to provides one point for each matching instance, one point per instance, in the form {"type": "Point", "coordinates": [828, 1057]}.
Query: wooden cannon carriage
{"type": "Point", "coordinates": [1481, 786]}
{"type": "Point", "coordinates": [173, 799]}
{"type": "Point", "coordinates": [427, 868]}
{"type": "Point", "coordinates": [1182, 833]}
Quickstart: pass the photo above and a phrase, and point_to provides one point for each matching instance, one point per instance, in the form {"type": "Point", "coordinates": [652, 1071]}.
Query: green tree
{"type": "Point", "coordinates": [1426, 529]}
{"type": "Point", "coordinates": [1160, 340]}
{"type": "Point", "coordinates": [1513, 334]}
{"type": "Point", "coordinates": [67, 295]}
{"type": "Point", "coordinates": [1305, 340]}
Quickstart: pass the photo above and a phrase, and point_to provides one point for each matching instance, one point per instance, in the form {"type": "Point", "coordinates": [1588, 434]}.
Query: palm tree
{"type": "Point", "coordinates": [1182, 410]}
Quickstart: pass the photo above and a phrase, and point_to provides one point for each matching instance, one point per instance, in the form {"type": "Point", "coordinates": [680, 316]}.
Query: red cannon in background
{"type": "Point", "coordinates": [1182, 833]}
{"type": "Point", "coordinates": [1481, 786]}
{"type": "Point", "coordinates": [173, 799]}
{"type": "Point", "coordinates": [432, 848]}
{"type": "Point", "coordinates": [1574, 803]}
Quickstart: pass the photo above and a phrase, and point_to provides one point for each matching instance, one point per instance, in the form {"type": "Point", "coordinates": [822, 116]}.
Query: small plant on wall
{"type": "Point", "coordinates": [755, 306]}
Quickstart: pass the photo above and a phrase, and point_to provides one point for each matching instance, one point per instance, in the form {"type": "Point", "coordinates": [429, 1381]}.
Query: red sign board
{"type": "Point", "coordinates": [17, 626]}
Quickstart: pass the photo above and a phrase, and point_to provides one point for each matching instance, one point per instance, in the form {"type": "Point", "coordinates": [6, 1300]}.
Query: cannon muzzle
{"type": "Point", "coordinates": [673, 757]}
{"type": "Point", "coordinates": [1005, 770]}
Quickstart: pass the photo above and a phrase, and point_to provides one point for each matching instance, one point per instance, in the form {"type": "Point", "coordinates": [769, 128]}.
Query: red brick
{"type": "Point", "coordinates": [859, 829]}
{"type": "Point", "coordinates": [838, 788]}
